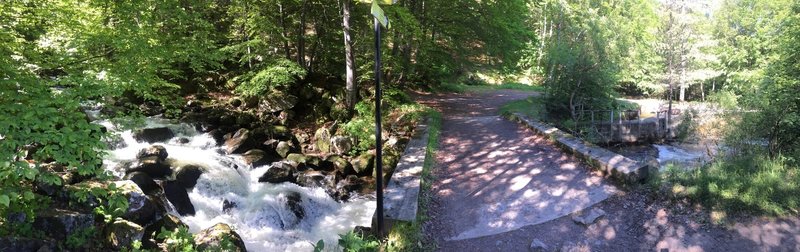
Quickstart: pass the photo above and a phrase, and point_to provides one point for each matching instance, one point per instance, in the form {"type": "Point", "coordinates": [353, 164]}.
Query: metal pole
{"type": "Point", "coordinates": [378, 145]}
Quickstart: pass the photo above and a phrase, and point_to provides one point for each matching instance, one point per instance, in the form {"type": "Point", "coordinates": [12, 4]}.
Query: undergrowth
{"type": "Point", "coordinates": [403, 236]}
{"type": "Point", "coordinates": [750, 183]}
{"type": "Point", "coordinates": [531, 107]}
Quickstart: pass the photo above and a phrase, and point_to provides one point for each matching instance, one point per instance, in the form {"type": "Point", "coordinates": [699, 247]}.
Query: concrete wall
{"type": "Point", "coordinates": [632, 131]}
{"type": "Point", "coordinates": [623, 169]}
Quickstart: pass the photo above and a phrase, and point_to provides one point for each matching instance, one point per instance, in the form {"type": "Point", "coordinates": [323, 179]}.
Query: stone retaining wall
{"type": "Point", "coordinates": [402, 192]}
{"type": "Point", "coordinates": [621, 168]}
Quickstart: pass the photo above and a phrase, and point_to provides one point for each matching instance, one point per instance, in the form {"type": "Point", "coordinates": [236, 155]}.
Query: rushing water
{"type": "Point", "coordinates": [262, 216]}
{"type": "Point", "coordinates": [679, 155]}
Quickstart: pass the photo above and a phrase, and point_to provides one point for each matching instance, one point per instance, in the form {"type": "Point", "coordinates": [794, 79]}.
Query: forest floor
{"type": "Point", "coordinates": [498, 187]}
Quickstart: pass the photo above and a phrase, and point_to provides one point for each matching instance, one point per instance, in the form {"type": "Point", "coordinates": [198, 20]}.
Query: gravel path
{"type": "Point", "coordinates": [494, 176]}
{"type": "Point", "coordinates": [499, 187]}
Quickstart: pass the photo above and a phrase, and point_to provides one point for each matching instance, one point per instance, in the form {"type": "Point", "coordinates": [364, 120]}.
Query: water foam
{"type": "Point", "coordinates": [262, 215]}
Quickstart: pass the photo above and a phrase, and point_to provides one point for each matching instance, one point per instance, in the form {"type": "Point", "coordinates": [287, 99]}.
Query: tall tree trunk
{"type": "Point", "coordinates": [284, 32]}
{"type": "Point", "coordinates": [301, 37]}
{"type": "Point", "coordinates": [682, 80]}
{"type": "Point", "coordinates": [350, 58]}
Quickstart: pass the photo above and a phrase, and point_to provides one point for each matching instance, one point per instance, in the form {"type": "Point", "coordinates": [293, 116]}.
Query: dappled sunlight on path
{"type": "Point", "coordinates": [495, 176]}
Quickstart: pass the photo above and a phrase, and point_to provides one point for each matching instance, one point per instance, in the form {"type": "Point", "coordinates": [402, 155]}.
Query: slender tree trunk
{"type": "Point", "coordinates": [702, 92]}
{"type": "Point", "coordinates": [682, 80]}
{"type": "Point", "coordinates": [284, 32]}
{"type": "Point", "coordinates": [350, 58]}
{"type": "Point", "coordinates": [247, 38]}
{"type": "Point", "coordinates": [301, 36]}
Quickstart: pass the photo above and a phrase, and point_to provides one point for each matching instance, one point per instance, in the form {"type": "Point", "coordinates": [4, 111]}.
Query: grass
{"type": "Point", "coordinates": [743, 184]}
{"type": "Point", "coordinates": [409, 236]}
{"type": "Point", "coordinates": [532, 107]}
{"type": "Point", "coordinates": [464, 88]}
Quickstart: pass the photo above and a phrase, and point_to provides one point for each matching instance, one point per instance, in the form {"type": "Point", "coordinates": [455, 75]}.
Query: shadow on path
{"type": "Point", "coordinates": [494, 176]}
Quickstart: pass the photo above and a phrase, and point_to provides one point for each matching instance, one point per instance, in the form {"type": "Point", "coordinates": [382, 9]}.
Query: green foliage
{"type": "Point", "coordinates": [583, 58]}
{"type": "Point", "coordinates": [749, 183]}
{"type": "Point", "coordinates": [532, 107]}
{"type": "Point", "coordinates": [177, 240]}
{"type": "Point", "coordinates": [279, 75]}
{"type": "Point", "coordinates": [361, 126]}
{"type": "Point", "coordinates": [687, 126]}
{"type": "Point", "coordinates": [352, 242]}
{"type": "Point", "coordinates": [113, 203]}
{"type": "Point", "coordinates": [80, 238]}
{"type": "Point", "coordinates": [747, 39]}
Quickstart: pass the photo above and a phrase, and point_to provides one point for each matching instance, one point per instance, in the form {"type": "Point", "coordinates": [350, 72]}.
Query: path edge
{"type": "Point", "coordinates": [623, 170]}
{"type": "Point", "coordinates": [401, 200]}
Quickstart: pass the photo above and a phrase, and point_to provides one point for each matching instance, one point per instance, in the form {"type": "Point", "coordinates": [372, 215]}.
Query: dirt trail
{"type": "Point", "coordinates": [498, 187]}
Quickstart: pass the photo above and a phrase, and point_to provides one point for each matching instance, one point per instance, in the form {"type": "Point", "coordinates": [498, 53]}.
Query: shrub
{"type": "Point", "coordinates": [279, 74]}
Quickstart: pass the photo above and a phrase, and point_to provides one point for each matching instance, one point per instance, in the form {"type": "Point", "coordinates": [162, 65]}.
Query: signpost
{"type": "Point", "coordinates": [379, 20]}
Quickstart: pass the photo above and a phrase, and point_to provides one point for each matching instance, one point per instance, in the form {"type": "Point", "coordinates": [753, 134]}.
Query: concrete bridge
{"type": "Point", "coordinates": [628, 127]}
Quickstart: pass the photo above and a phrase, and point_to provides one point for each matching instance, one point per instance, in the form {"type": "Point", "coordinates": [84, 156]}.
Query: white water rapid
{"type": "Point", "coordinates": [679, 155]}
{"type": "Point", "coordinates": [261, 216]}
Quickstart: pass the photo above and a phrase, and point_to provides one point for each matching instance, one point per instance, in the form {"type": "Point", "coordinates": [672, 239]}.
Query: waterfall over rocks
{"type": "Point", "coordinates": [206, 186]}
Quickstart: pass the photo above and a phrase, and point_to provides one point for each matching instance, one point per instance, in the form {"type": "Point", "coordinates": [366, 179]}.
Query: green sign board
{"type": "Point", "coordinates": [378, 12]}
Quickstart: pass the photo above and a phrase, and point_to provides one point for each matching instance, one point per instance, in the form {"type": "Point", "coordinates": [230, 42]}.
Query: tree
{"type": "Point", "coordinates": [584, 56]}
{"type": "Point", "coordinates": [675, 51]}
{"type": "Point", "coordinates": [350, 59]}
{"type": "Point", "coordinates": [776, 99]}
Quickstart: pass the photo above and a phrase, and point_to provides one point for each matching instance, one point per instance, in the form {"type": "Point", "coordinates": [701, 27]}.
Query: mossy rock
{"type": "Point", "coordinates": [122, 233]}
{"type": "Point", "coordinates": [219, 237]}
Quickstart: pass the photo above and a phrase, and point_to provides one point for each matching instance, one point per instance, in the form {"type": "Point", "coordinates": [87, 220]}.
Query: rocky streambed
{"type": "Point", "coordinates": [257, 181]}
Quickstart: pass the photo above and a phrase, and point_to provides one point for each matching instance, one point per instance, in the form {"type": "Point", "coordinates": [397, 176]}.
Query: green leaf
{"type": "Point", "coordinates": [320, 246]}
{"type": "Point", "coordinates": [4, 200]}
{"type": "Point", "coordinates": [30, 173]}
{"type": "Point", "coordinates": [28, 195]}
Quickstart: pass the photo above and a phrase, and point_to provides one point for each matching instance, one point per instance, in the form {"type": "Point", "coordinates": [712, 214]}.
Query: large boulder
{"type": "Point", "coordinates": [153, 151]}
{"type": "Point", "coordinates": [255, 157]}
{"type": "Point", "coordinates": [277, 101]}
{"type": "Point", "coordinates": [60, 223]}
{"type": "Point", "coordinates": [188, 175]}
{"type": "Point", "coordinates": [279, 172]}
{"type": "Point", "coordinates": [284, 148]}
{"type": "Point", "coordinates": [304, 162]}
{"type": "Point", "coordinates": [341, 144]}
{"type": "Point", "coordinates": [294, 201]}
{"type": "Point", "coordinates": [352, 183]}
{"type": "Point", "coordinates": [341, 164]}
{"type": "Point", "coordinates": [311, 178]}
{"type": "Point", "coordinates": [177, 195]}
{"type": "Point", "coordinates": [11, 243]}
{"type": "Point", "coordinates": [153, 166]}
{"type": "Point", "coordinates": [211, 239]}
{"type": "Point", "coordinates": [153, 135]}
{"type": "Point", "coordinates": [228, 205]}
{"type": "Point", "coordinates": [141, 209]}
{"type": "Point", "coordinates": [169, 222]}
{"type": "Point", "coordinates": [322, 139]}
{"type": "Point", "coordinates": [363, 164]}
{"type": "Point", "coordinates": [121, 234]}
{"type": "Point", "coordinates": [240, 142]}
{"type": "Point", "coordinates": [145, 182]}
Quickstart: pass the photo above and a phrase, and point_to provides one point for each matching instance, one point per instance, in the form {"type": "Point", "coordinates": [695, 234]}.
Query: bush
{"type": "Point", "coordinates": [47, 127]}
{"type": "Point", "coordinates": [280, 74]}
